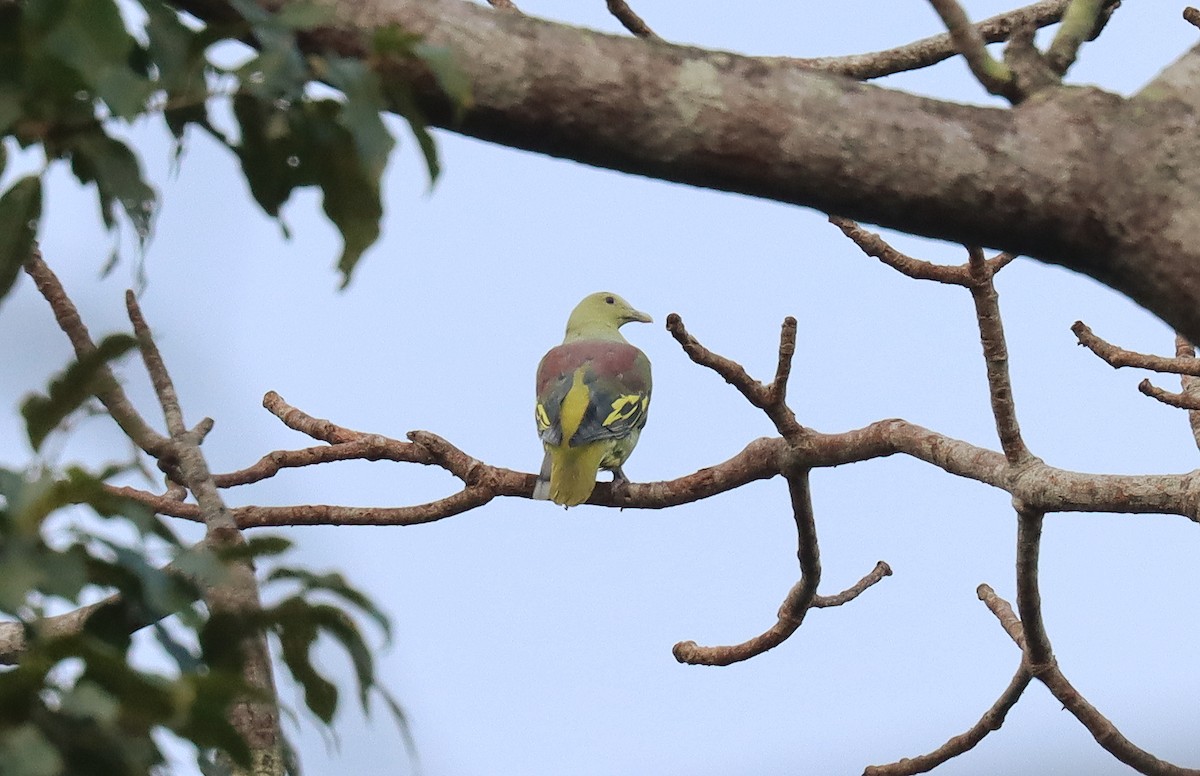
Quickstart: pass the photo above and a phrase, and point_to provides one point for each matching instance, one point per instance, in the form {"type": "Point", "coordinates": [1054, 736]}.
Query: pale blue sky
{"type": "Point", "coordinates": [536, 641]}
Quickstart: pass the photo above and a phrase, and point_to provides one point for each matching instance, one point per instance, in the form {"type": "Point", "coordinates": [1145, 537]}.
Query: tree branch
{"type": "Point", "coordinates": [930, 51]}
{"type": "Point", "coordinates": [1077, 25]}
{"type": "Point", "coordinates": [771, 398]}
{"type": "Point", "coordinates": [776, 129]}
{"type": "Point", "coordinates": [1118, 357]}
{"type": "Point", "coordinates": [1103, 731]}
{"type": "Point", "coordinates": [1184, 350]}
{"type": "Point", "coordinates": [630, 20]}
{"type": "Point", "coordinates": [995, 355]}
{"type": "Point", "coordinates": [991, 73]}
{"type": "Point", "coordinates": [108, 390]}
{"type": "Point", "coordinates": [992, 720]}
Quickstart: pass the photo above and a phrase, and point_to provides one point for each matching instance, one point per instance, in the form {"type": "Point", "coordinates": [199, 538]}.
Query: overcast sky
{"type": "Point", "coordinates": [536, 641]}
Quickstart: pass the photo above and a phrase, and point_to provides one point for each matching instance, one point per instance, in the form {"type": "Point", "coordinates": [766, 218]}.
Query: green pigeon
{"type": "Point", "coordinates": [593, 391]}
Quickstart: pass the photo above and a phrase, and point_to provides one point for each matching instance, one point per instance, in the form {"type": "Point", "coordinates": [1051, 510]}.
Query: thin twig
{"type": "Point", "coordinates": [995, 356]}
{"type": "Point", "coordinates": [1178, 400]}
{"type": "Point", "coordinates": [157, 369]}
{"type": "Point", "coordinates": [630, 20]}
{"type": "Point", "coordinates": [993, 74]}
{"type": "Point", "coordinates": [872, 244]}
{"type": "Point", "coordinates": [1119, 357]}
{"type": "Point", "coordinates": [108, 390]}
{"type": "Point", "coordinates": [798, 601]}
{"type": "Point", "coordinates": [938, 48]}
{"type": "Point", "coordinates": [1077, 25]}
{"type": "Point", "coordinates": [768, 398]}
{"type": "Point", "coordinates": [1190, 385]}
{"type": "Point", "coordinates": [991, 720]}
{"type": "Point", "coordinates": [1102, 729]}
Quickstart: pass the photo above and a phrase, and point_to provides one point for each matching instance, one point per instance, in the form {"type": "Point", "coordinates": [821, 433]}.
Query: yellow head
{"type": "Point", "coordinates": [599, 316]}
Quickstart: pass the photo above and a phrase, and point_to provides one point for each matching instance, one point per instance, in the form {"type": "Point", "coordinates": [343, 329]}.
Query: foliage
{"type": "Point", "coordinates": [72, 71]}
{"type": "Point", "coordinates": [74, 703]}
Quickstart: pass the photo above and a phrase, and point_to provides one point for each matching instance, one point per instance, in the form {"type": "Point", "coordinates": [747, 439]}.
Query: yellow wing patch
{"type": "Point", "coordinates": [543, 420]}
{"type": "Point", "coordinates": [625, 406]}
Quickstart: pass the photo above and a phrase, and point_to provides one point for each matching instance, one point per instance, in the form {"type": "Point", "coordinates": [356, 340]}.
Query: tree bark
{"type": "Point", "coordinates": [1079, 177]}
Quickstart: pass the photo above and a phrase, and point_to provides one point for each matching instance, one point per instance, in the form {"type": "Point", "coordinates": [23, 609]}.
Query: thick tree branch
{"type": "Point", "coordinates": [773, 128]}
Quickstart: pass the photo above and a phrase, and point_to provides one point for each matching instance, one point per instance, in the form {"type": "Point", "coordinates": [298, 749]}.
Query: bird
{"type": "Point", "coordinates": [593, 392]}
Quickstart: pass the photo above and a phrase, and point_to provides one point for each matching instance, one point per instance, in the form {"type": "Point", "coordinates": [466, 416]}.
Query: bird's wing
{"type": "Point", "coordinates": [592, 390]}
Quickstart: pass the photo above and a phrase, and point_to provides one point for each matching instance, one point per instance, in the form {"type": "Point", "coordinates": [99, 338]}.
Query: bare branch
{"type": "Point", "coordinates": [930, 51]}
{"type": "Point", "coordinates": [1077, 26]}
{"type": "Point", "coordinates": [1038, 650]}
{"type": "Point", "coordinates": [108, 391]}
{"type": "Point", "coordinates": [1103, 731]}
{"type": "Point", "coordinates": [800, 598]}
{"type": "Point", "coordinates": [1004, 613]}
{"type": "Point", "coordinates": [768, 398]}
{"type": "Point", "coordinates": [1192, 16]}
{"type": "Point", "coordinates": [1191, 386]}
{"type": "Point", "coordinates": [1118, 357]}
{"type": "Point", "coordinates": [995, 355]}
{"type": "Point", "coordinates": [1179, 400]}
{"type": "Point", "coordinates": [504, 5]}
{"type": "Point", "coordinates": [157, 369]}
{"type": "Point", "coordinates": [872, 577]}
{"type": "Point", "coordinates": [872, 244]}
{"type": "Point", "coordinates": [255, 718]}
{"type": "Point", "coordinates": [992, 719]}
{"type": "Point", "coordinates": [993, 74]}
{"type": "Point", "coordinates": [630, 20]}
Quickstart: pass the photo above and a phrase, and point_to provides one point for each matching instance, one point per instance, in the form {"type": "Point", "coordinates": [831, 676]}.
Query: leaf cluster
{"type": "Point", "coordinates": [73, 71]}
{"type": "Point", "coordinates": [75, 703]}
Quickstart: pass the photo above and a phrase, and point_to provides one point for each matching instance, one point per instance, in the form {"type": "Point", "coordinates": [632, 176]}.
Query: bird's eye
{"type": "Point", "coordinates": [609, 300]}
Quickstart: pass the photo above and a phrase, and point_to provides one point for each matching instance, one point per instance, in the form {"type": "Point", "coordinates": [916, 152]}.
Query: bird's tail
{"type": "Point", "coordinates": [573, 473]}
{"type": "Point", "coordinates": [541, 490]}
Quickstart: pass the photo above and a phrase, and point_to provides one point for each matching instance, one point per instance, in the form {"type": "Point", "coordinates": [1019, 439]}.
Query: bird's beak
{"type": "Point", "coordinates": [640, 317]}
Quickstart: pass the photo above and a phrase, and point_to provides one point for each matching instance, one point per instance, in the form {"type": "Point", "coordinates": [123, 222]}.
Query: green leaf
{"type": "Point", "coordinates": [90, 37]}
{"type": "Point", "coordinates": [179, 54]}
{"type": "Point", "coordinates": [88, 699]}
{"type": "Point", "coordinates": [305, 15]}
{"type": "Point", "coordinates": [361, 113]}
{"type": "Point", "coordinates": [184, 657]}
{"type": "Point", "coordinates": [256, 547]}
{"type": "Point", "coordinates": [20, 212]}
{"type": "Point", "coordinates": [24, 751]}
{"type": "Point", "coordinates": [71, 388]}
{"type": "Point", "coordinates": [337, 585]}
{"type": "Point", "coordinates": [107, 162]}
{"type": "Point", "coordinates": [297, 630]}
{"type": "Point", "coordinates": [452, 78]}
